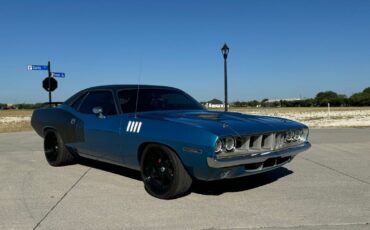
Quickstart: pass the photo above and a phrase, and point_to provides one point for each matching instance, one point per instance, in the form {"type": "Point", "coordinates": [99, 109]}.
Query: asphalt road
{"type": "Point", "coordinates": [327, 188]}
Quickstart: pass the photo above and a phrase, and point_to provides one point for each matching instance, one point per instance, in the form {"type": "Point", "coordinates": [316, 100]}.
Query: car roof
{"type": "Point", "coordinates": [70, 100]}
{"type": "Point", "coordinates": [128, 86]}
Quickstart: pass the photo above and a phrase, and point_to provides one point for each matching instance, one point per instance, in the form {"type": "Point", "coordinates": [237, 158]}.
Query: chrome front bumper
{"type": "Point", "coordinates": [261, 157]}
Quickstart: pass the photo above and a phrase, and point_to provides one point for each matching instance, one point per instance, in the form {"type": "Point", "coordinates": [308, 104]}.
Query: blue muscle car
{"type": "Point", "coordinates": [167, 135]}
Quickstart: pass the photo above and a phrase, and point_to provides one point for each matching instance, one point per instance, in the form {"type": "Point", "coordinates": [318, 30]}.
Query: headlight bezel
{"type": "Point", "coordinates": [305, 134]}
{"type": "Point", "coordinates": [225, 145]}
{"type": "Point", "coordinates": [218, 146]}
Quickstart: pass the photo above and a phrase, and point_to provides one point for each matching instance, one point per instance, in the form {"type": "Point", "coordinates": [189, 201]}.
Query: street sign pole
{"type": "Point", "coordinates": [49, 77]}
{"type": "Point", "coordinates": [49, 83]}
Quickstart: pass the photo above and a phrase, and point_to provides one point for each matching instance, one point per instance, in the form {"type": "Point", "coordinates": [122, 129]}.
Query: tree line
{"type": "Point", "coordinates": [22, 106]}
{"type": "Point", "coordinates": [321, 99]}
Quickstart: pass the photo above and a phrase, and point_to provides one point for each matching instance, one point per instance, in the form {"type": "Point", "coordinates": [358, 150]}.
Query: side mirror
{"type": "Point", "coordinates": [98, 111]}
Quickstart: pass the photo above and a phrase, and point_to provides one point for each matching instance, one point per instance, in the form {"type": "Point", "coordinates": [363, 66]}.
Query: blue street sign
{"type": "Point", "coordinates": [37, 67]}
{"type": "Point", "coordinates": [57, 74]}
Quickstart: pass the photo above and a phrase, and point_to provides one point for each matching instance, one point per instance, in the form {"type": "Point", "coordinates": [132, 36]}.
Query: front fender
{"type": "Point", "coordinates": [192, 144]}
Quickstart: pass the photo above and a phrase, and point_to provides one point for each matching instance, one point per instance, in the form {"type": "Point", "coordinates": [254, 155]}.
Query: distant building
{"type": "Point", "coordinates": [214, 103]}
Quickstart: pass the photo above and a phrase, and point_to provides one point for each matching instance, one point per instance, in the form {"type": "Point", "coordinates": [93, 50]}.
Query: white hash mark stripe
{"type": "Point", "coordinates": [132, 126]}
{"type": "Point", "coordinates": [136, 124]}
{"type": "Point", "coordinates": [128, 126]}
{"type": "Point", "coordinates": [138, 128]}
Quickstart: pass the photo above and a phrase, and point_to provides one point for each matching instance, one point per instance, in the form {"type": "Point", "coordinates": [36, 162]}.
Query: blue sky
{"type": "Point", "coordinates": [278, 49]}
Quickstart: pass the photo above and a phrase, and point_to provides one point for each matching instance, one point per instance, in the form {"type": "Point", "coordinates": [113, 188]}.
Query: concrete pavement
{"type": "Point", "coordinates": [327, 187]}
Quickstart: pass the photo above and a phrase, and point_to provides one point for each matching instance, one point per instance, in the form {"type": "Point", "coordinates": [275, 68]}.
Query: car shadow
{"type": "Point", "coordinates": [214, 188]}
{"type": "Point", "coordinates": [239, 184]}
{"type": "Point", "coordinates": [116, 169]}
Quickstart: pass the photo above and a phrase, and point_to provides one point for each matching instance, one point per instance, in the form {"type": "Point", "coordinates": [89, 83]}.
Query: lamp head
{"type": "Point", "coordinates": [225, 50]}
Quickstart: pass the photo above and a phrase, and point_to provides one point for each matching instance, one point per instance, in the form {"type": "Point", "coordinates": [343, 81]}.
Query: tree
{"type": "Point", "coordinates": [367, 90]}
{"type": "Point", "coordinates": [253, 103]}
{"type": "Point", "coordinates": [264, 102]}
{"type": "Point", "coordinates": [323, 98]}
{"type": "Point", "coordinates": [361, 99]}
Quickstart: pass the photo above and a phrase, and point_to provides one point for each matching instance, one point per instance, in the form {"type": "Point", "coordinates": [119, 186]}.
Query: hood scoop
{"type": "Point", "coordinates": [207, 116]}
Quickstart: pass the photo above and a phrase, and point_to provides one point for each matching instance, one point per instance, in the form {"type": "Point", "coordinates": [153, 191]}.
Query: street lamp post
{"type": "Point", "coordinates": [225, 52]}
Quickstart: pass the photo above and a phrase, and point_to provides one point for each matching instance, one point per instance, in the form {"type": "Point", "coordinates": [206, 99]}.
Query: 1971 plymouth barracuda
{"type": "Point", "coordinates": [166, 135]}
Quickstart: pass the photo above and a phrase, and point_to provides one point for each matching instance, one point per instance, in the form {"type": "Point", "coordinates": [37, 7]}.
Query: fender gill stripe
{"type": "Point", "coordinates": [136, 124]}
{"type": "Point", "coordinates": [128, 126]}
{"type": "Point", "coordinates": [138, 128]}
{"type": "Point", "coordinates": [132, 126]}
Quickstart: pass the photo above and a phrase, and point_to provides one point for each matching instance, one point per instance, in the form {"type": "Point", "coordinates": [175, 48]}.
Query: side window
{"type": "Point", "coordinates": [127, 100]}
{"type": "Point", "coordinates": [78, 101]}
{"type": "Point", "coordinates": [103, 99]}
{"type": "Point", "coordinates": [176, 100]}
{"type": "Point", "coordinates": [155, 100]}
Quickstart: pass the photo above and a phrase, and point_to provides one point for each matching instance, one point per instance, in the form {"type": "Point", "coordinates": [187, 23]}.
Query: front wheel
{"type": "Point", "coordinates": [163, 174]}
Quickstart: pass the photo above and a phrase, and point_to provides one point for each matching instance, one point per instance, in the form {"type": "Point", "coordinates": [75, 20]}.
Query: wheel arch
{"type": "Point", "coordinates": [179, 186]}
{"type": "Point", "coordinates": [145, 144]}
{"type": "Point", "coordinates": [47, 128]}
{"type": "Point", "coordinates": [63, 154]}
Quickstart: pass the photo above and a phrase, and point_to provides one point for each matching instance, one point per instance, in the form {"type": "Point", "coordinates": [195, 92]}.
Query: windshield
{"type": "Point", "coordinates": [156, 100]}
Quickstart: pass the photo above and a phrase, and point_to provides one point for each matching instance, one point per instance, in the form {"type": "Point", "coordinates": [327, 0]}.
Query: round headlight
{"type": "Point", "coordinates": [297, 134]}
{"type": "Point", "coordinates": [229, 144]}
{"type": "Point", "coordinates": [289, 136]}
{"type": "Point", "coordinates": [218, 147]}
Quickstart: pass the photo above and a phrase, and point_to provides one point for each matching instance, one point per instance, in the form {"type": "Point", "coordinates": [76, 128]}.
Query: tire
{"type": "Point", "coordinates": [163, 173]}
{"type": "Point", "coordinates": [56, 152]}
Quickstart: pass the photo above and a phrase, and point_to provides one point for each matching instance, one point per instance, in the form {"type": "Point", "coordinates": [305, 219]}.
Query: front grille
{"type": "Point", "coordinates": [264, 142]}
{"type": "Point", "coordinates": [255, 142]}
{"type": "Point", "coordinates": [267, 141]}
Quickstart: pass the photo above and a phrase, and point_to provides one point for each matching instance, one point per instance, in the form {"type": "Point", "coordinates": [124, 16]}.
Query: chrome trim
{"type": "Point", "coordinates": [235, 161]}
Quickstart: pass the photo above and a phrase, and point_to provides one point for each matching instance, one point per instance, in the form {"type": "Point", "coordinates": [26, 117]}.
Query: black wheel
{"type": "Point", "coordinates": [55, 151]}
{"type": "Point", "coordinates": [163, 174]}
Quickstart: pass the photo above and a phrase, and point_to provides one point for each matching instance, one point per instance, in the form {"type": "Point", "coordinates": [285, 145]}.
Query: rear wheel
{"type": "Point", "coordinates": [55, 151]}
{"type": "Point", "coordinates": [163, 174]}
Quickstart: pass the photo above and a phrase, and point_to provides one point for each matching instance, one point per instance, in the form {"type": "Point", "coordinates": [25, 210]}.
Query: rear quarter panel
{"type": "Point", "coordinates": [60, 120]}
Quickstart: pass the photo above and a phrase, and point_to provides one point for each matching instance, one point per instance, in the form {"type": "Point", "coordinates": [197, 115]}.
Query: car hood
{"type": "Point", "coordinates": [225, 123]}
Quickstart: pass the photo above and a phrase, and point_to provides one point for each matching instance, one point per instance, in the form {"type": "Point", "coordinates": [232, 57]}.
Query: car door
{"type": "Point", "coordinates": [101, 130]}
